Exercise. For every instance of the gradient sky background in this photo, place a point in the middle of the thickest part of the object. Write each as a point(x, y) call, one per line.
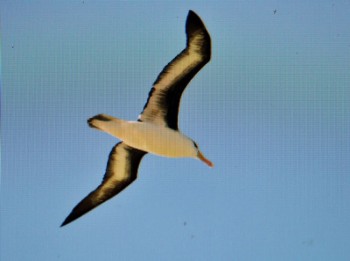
point(271, 110)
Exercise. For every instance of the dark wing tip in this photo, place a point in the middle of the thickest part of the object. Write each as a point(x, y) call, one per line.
point(194, 23)
point(79, 210)
point(197, 34)
point(192, 15)
point(67, 220)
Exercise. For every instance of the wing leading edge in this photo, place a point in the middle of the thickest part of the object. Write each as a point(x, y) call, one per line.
point(121, 171)
point(162, 106)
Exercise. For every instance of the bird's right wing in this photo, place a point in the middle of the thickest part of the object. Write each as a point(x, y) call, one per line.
point(121, 171)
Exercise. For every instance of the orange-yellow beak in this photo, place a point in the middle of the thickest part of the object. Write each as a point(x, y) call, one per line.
point(204, 159)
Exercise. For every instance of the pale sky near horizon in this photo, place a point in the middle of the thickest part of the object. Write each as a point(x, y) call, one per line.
point(271, 110)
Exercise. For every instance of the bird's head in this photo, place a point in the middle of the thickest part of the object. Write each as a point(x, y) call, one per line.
point(200, 156)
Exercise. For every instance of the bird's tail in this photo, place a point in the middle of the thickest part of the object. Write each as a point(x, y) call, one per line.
point(106, 123)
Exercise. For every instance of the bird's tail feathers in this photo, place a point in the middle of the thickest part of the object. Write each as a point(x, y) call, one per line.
point(105, 123)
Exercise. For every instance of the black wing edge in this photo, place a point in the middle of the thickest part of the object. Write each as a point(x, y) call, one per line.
point(194, 25)
point(93, 199)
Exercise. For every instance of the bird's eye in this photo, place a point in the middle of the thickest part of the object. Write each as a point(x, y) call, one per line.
point(195, 144)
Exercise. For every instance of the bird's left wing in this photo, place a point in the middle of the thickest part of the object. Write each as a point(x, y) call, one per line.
point(162, 106)
point(121, 171)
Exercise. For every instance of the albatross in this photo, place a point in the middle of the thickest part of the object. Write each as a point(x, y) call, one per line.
point(156, 130)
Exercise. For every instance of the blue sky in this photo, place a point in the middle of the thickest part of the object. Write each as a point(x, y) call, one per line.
point(271, 110)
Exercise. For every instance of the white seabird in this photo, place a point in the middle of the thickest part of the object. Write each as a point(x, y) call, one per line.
point(156, 130)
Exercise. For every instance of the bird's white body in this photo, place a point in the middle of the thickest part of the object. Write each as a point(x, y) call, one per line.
point(148, 137)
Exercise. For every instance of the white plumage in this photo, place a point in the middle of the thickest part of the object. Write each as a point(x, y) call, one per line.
point(147, 136)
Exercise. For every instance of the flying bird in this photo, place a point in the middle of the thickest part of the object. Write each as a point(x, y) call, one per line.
point(156, 130)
